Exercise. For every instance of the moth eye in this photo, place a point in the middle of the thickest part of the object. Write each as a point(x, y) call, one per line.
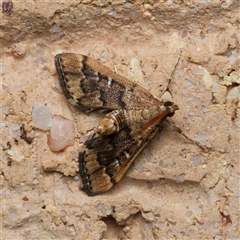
point(168, 104)
point(171, 114)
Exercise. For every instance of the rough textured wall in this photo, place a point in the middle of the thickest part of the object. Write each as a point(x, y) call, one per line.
point(174, 190)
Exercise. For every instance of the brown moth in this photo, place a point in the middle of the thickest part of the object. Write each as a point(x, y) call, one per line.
point(133, 119)
point(7, 6)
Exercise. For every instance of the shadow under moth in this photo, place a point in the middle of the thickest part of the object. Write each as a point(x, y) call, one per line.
point(133, 118)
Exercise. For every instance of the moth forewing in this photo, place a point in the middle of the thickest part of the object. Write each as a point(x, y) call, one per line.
point(134, 118)
point(113, 160)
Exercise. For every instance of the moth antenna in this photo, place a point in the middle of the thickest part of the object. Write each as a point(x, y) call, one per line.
point(174, 68)
point(170, 79)
point(154, 119)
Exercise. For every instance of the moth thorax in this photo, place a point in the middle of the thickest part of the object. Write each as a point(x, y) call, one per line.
point(140, 114)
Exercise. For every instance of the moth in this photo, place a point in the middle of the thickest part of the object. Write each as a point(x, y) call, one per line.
point(7, 6)
point(133, 118)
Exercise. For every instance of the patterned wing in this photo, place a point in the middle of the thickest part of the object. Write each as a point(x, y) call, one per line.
point(105, 159)
point(90, 85)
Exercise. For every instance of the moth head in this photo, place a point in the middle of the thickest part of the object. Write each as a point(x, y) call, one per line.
point(171, 108)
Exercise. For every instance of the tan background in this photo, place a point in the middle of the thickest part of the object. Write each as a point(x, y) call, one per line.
point(174, 190)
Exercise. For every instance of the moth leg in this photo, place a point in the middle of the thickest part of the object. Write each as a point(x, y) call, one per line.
point(112, 123)
point(204, 148)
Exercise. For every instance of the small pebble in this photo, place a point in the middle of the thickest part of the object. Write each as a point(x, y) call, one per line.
point(42, 117)
point(62, 134)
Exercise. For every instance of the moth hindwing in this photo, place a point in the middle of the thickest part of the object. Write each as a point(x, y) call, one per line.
point(133, 119)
